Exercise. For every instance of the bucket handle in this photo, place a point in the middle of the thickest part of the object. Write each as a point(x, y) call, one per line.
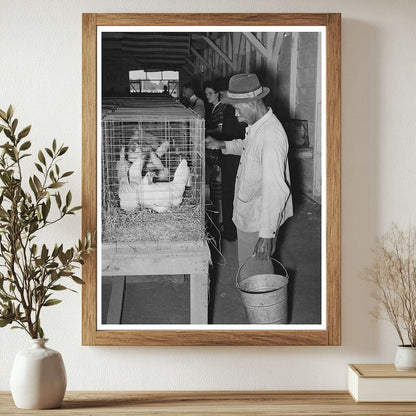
point(251, 257)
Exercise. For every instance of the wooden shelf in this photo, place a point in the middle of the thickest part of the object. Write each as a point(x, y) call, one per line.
point(222, 403)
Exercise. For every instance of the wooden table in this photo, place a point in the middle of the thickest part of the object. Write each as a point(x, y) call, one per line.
point(144, 259)
point(270, 403)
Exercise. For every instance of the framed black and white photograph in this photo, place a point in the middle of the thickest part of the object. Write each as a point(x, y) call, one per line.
point(211, 172)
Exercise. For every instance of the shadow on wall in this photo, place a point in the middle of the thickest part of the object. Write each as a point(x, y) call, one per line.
point(360, 184)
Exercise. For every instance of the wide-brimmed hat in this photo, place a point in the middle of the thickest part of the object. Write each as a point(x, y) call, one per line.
point(244, 88)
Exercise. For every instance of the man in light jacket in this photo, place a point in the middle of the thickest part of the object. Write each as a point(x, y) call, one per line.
point(263, 198)
point(194, 103)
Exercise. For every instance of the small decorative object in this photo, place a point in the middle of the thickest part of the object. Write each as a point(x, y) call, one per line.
point(393, 276)
point(381, 383)
point(31, 272)
point(405, 359)
point(38, 378)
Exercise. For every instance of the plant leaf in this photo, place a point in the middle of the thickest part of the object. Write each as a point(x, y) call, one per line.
point(56, 185)
point(67, 174)
point(10, 112)
point(25, 145)
point(45, 211)
point(59, 287)
point(37, 182)
point(68, 198)
point(39, 167)
point(41, 157)
point(8, 134)
point(51, 302)
point(24, 132)
point(14, 125)
point(77, 208)
point(44, 253)
point(40, 332)
point(33, 187)
point(63, 150)
point(78, 280)
point(5, 321)
point(58, 199)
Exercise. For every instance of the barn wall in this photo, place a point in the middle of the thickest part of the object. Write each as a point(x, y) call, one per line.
point(115, 80)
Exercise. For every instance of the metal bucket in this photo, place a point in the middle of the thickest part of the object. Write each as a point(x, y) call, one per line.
point(264, 296)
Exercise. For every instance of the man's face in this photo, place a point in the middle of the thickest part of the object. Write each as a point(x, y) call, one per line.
point(245, 112)
point(188, 93)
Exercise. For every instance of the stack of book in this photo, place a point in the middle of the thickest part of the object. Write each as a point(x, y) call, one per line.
point(381, 383)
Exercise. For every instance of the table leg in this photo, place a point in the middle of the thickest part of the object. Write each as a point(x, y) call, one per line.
point(199, 298)
point(115, 307)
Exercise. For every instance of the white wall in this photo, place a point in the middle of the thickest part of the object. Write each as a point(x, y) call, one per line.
point(40, 73)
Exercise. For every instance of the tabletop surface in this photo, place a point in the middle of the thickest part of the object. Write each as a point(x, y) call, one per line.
point(179, 403)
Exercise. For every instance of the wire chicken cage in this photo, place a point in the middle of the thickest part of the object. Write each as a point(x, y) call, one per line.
point(152, 174)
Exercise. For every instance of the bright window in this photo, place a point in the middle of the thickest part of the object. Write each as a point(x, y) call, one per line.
point(154, 82)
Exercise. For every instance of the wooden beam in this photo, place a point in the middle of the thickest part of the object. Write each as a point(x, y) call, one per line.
point(236, 39)
point(190, 62)
point(201, 58)
point(256, 43)
point(218, 51)
point(230, 52)
point(188, 71)
point(278, 44)
point(293, 74)
point(248, 56)
point(271, 64)
point(258, 55)
point(225, 65)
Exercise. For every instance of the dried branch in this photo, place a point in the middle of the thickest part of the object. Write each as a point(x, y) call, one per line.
point(393, 276)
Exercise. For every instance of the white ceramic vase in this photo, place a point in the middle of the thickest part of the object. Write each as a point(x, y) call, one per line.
point(38, 377)
point(405, 358)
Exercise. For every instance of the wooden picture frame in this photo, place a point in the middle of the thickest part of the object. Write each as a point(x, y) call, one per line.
point(331, 334)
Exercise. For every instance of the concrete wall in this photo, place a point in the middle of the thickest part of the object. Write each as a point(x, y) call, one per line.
point(41, 75)
point(306, 81)
point(283, 79)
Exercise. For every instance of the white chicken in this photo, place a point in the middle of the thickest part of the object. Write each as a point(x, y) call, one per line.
point(127, 194)
point(122, 166)
point(135, 171)
point(161, 196)
point(155, 164)
point(129, 176)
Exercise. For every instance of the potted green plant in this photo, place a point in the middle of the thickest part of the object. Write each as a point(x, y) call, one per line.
point(393, 277)
point(32, 273)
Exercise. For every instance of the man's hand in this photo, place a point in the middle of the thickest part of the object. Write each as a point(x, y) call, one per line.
point(214, 144)
point(264, 248)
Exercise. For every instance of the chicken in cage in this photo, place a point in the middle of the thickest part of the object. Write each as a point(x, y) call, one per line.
point(152, 174)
